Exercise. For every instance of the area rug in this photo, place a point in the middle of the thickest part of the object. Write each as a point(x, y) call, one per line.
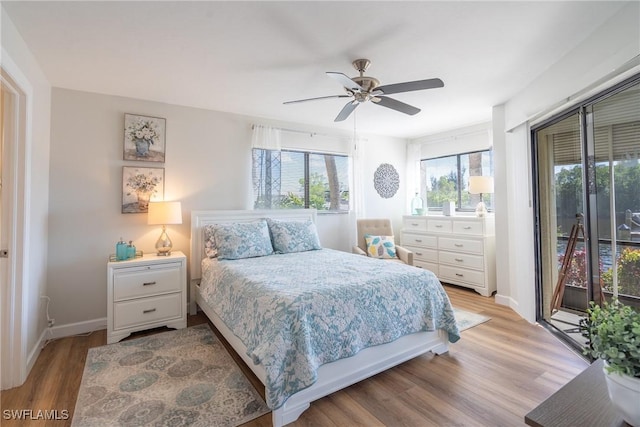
point(466, 319)
point(176, 378)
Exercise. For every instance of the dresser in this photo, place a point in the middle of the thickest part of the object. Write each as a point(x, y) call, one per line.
point(459, 249)
point(145, 293)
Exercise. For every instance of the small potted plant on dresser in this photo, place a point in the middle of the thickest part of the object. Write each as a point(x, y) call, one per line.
point(613, 331)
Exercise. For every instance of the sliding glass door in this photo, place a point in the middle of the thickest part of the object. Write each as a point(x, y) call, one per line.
point(587, 181)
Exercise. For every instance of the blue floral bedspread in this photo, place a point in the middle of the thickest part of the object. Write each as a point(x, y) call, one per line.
point(295, 312)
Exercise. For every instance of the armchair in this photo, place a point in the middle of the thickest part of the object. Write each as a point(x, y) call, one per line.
point(379, 227)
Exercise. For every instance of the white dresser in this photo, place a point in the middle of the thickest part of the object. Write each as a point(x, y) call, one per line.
point(146, 292)
point(459, 249)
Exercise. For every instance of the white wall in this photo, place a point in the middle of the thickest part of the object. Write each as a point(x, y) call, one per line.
point(208, 166)
point(20, 64)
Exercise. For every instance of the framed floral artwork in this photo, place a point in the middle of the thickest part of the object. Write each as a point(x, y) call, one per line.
point(140, 186)
point(144, 138)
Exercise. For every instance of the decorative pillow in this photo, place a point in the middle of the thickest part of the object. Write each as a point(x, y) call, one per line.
point(380, 246)
point(210, 249)
point(242, 240)
point(293, 236)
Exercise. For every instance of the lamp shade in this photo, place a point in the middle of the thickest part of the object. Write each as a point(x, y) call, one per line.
point(477, 185)
point(163, 213)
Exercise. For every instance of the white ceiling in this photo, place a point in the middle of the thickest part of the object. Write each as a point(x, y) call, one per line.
point(249, 57)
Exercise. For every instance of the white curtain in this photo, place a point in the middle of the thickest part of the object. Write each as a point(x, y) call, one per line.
point(414, 153)
point(266, 138)
point(358, 160)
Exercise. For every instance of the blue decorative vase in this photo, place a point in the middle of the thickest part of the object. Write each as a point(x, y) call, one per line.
point(142, 147)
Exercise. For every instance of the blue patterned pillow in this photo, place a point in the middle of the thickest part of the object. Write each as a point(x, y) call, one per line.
point(210, 249)
point(242, 240)
point(380, 246)
point(293, 236)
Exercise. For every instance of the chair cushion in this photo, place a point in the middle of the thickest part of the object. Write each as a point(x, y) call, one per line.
point(380, 246)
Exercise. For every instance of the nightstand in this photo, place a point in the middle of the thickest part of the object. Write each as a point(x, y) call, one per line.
point(145, 293)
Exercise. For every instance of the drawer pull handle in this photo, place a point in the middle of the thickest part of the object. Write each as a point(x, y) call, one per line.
point(459, 275)
point(438, 226)
point(459, 259)
point(418, 240)
point(413, 224)
point(151, 310)
point(148, 283)
point(458, 245)
point(468, 227)
point(419, 253)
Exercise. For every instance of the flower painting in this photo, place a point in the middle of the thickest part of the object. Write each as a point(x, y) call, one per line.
point(139, 187)
point(144, 138)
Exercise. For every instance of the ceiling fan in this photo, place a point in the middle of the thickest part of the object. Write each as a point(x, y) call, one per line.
point(363, 88)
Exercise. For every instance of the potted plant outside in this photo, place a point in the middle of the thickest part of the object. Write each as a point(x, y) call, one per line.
point(613, 331)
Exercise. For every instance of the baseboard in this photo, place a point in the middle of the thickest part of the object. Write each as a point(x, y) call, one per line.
point(35, 352)
point(78, 328)
point(505, 300)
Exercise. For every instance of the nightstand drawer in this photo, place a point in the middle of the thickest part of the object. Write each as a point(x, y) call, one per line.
point(147, 310)
point(150, 280)
point(462, 260)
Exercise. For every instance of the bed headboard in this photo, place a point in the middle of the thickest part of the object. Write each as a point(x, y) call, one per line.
point(201, 218)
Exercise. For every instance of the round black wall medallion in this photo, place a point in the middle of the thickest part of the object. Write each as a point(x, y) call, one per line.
point(386, 180)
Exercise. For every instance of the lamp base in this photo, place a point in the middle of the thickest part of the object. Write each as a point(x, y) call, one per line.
point(164, 244)
point(481, 210)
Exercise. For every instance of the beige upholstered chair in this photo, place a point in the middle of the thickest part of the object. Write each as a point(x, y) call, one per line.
point(379, 227)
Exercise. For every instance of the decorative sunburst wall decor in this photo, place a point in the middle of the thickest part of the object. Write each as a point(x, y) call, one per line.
point(386, 180)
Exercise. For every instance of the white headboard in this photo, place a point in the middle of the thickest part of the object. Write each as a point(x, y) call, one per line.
point(201, 218)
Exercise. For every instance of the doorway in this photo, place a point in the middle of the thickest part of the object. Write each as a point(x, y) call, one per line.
point(586, 177)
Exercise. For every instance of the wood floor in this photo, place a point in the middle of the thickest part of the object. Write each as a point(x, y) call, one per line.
point(493, 376)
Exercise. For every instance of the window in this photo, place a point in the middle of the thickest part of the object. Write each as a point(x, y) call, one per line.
point(446, 179)
point(296, 179)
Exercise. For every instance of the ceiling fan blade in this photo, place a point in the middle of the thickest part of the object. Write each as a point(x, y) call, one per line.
point(346, 111)
point(345, 81)
point(395, 105)
point(409, 86)
point(314, 99)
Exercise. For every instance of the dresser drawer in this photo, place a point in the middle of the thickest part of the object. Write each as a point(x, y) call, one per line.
point(460, 245)
point(473, 228)
point(147, 310)
point(439, 225)
point(462, 260)
point(455, 275)
point(423, 254)
point(410, 239)
point(427, 266)
point(146, 280)
point(415, 223)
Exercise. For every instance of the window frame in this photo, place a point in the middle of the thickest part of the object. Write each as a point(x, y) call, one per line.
point(307, 176)
point(459, 175)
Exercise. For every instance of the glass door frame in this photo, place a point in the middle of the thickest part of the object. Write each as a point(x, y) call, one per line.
point(584, 109)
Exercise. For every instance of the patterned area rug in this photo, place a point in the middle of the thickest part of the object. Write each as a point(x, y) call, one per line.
point(176, 378)
point(466, 319)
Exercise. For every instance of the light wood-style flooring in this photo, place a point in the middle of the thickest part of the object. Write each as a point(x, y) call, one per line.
point(493, 376)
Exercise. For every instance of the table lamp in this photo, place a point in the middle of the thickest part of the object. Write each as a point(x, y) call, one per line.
point(481, 185)
point(164, 213)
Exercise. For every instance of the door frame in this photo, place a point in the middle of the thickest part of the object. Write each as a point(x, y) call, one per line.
point(13, 325)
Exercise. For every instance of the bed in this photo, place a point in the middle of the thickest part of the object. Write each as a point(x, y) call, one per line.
point(309, 332)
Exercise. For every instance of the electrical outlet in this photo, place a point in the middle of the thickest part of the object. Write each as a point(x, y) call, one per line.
point(51, 322)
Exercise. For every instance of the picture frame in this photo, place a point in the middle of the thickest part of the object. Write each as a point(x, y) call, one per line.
point(144, 138)
point(141, 185)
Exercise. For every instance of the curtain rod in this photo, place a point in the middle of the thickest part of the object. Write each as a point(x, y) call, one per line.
point(311, 134)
